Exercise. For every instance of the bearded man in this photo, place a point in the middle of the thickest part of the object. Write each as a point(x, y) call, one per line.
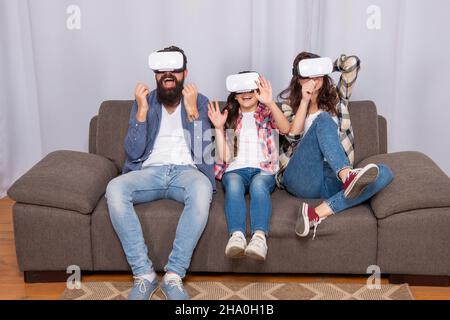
point(164, 147)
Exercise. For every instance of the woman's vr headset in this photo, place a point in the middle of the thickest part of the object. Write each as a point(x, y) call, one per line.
point(313, 68)
point(242, 82)
point(169, 61)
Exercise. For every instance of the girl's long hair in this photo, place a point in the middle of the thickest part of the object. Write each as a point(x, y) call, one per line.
point(328, 96)
point(233, 114)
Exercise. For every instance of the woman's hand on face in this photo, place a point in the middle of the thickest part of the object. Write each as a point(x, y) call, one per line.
point(217, 118)
point(308, 90)
point(265, 91)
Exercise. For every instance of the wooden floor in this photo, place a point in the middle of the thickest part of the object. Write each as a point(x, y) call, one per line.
point(13, 287)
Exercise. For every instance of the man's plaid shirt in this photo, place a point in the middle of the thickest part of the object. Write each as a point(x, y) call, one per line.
point(349, 66)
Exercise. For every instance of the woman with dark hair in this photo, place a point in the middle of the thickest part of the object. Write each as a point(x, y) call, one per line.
point(248, 160)
point(317, 157)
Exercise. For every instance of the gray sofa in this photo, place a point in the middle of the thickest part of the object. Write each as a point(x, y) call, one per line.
point(61, 217)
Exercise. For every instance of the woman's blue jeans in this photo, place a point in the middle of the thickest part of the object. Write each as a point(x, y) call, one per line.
point(313, 170)
point(259, 185)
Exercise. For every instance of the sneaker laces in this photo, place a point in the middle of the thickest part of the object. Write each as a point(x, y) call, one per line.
point(235, 237)
point(259, 242)
point(140, 283)
point(353, 172)
point(175, 282)
point(315, 224)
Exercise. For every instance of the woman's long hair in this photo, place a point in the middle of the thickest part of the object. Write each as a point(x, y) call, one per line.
point(328, 96)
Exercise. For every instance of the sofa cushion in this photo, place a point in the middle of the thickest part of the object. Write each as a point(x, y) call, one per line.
point(333, 251)
point(415, 242)
point(418, 184)
point(51, 239)
point(65, 179)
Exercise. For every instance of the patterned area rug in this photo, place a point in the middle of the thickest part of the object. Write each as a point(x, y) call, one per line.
point(249, 291)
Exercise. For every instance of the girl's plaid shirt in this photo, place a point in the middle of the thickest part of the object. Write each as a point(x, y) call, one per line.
point(267, 134)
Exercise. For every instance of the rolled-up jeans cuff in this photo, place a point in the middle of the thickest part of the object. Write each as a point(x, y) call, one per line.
point(333, 210)
point(179, 271)
point(230, 232)
point(337, 172)
point(145, 271)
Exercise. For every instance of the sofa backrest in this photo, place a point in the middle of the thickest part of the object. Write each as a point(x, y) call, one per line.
point(112, 127)
point(364, 117)
point(109, 128)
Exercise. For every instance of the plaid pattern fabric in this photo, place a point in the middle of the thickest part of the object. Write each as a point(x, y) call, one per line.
point(349, 66)
point(265, 124)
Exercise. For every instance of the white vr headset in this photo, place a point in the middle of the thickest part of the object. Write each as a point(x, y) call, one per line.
point(243, 82)
point(166, 61)
point(313, 68)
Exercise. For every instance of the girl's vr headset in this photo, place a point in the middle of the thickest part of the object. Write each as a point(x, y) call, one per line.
point(242, 82)
point(169, 61)
point(313, 68)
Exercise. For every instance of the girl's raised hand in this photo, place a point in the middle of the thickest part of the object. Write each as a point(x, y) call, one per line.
point(265, 91)
point(217, 118)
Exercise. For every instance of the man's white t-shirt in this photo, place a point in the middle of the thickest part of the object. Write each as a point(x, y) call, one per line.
point(250, 153)
point(170, 145)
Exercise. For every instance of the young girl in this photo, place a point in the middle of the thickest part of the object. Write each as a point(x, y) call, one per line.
point(250, 166)
point(317, 160)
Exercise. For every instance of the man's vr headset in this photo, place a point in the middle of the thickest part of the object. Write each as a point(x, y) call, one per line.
point(242, 82)
point(168, 61)
point(313, 68)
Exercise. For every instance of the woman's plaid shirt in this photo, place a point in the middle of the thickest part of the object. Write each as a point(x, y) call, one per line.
point(349, 66)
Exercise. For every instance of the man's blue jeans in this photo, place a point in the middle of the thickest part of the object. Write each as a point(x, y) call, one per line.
point(184, 184)
point(260, 185)
point(313, 170)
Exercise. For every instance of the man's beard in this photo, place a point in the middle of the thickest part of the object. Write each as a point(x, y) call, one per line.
point(172, 96)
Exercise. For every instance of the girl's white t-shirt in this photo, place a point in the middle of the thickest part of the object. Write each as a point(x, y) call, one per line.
point(250, 153)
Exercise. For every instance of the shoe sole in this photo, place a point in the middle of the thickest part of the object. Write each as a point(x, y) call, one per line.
point(367, 176)
point(235, 253)
point(152, 293)
point(165, 296)
point(305, 222)
point(254, 255)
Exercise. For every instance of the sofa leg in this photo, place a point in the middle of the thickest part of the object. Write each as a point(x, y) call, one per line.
point(45, 276)
point(420, 280)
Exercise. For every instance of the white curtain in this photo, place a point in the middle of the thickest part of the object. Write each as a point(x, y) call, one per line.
point(53, 79)
point(20, 134)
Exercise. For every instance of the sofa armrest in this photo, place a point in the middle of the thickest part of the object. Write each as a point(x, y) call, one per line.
point(418, 184)
point(65, 179)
